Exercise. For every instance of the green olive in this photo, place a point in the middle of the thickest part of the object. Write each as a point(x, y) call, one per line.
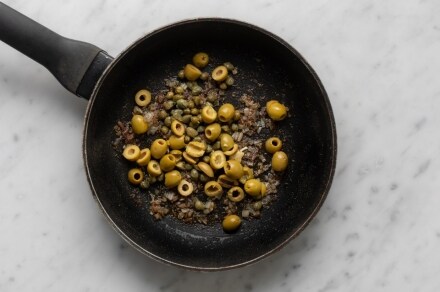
point(135, 176)
point(188, 158)
point(220, 73)
point(209, 114)
point(233, 169)
point(226, 182)
point(253, 187)
point(143, 97)
point(263, 189)
point(168, 162)
point(176, 143)
point(144, 157)
point(226, 142)
point(226, 112)
point(236, 194)
point(276, 110)
point(213, 189)
point(191, 72)
point(139, 124)
point(153, 168)
point(232, 151)
point(177, 128)
point(158, 148)
point(212, 131)
point(217, 160)
point(185, 188)
point(206, 169)
point(279, 161)
point(273, 145)
point(201, 59)
point(172, 179)
point(231, 223)
point(131, 152)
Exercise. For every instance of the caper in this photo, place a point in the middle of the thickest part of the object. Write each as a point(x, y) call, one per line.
point(188, 166)
point(203, 178)
point(186, 119)
point(276, 110)
point(208, 148)
point(187, 139)
point(172, 179)
point(187, 111)
point(195, 119)
point(179, 90)
point(253, 187)
point(226, 129)
point(226, 112)
point(164, 130)
point(233, 169)
point(231, 223)
point(201, 129)
point(190, 84)
point(191, 105)
point(229, 81)
point(204, 76)
point(182, 103)
point(223, 86)
point(158, 148)
point(234, 127)
point(229, 66)
point(237, 115)
point(168, 121)
point(197, 139)
point(200, 59)
point(220, 73)
point(163, 114)
point(181, 74)
point(191, 132)
point(194, 111)
point(169, 104)
point(196, 90)
point(257, 205)
point(177, 111)
point(213, 189)
point(199, 205)
point(216, 145)
point(145, 184)
point(170, 94)
point(177, 97)
point(206, 159)
point(139, 124)
point(279, 161)
point(194, 174)
point(273, 145)
point(197, 100)
point(153, 179)
point(212, 131)
point(180, 165)
point(212, 96)
point(167, 162)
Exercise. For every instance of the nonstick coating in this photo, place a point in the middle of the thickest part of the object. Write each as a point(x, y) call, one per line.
point(268, 69)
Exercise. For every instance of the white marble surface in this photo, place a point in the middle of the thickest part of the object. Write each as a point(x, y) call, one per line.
point(379, 229)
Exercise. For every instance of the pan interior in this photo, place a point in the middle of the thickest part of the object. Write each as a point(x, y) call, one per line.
point(268, 69)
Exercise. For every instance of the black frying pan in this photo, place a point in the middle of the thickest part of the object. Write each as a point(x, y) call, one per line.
point(110, 85)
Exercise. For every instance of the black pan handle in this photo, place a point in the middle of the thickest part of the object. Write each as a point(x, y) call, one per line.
point(76, 65)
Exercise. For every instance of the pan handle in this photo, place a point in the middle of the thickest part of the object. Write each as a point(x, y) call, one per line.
point(77, 65)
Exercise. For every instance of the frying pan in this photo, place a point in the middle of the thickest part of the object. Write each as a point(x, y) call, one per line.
point(269, 68)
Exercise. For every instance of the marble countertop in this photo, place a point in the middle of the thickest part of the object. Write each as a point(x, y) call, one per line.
point(379, 229)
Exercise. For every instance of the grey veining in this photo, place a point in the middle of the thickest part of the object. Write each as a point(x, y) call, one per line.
point(379, 229)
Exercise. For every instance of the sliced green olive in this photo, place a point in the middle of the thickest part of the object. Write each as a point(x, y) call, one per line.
point(135, 176)
point(233, 169)
point(167, 162)
point(209, 114)
point(139, 124)
point(158, 148)
point(143, 97)
point(213, 131)
point(131, 152)
point(144, 157)
point(236, 194)
point(220, 73)
point(177, 128)
point(273, 145)
point(172, 179)
point(276, 110)
point(231, 223)
point(279, 161)
point(206, 169)
point(201, 59)
point(226, 142)
point(153, 168)
point(217, 159)
point(191, 72)
point(176, 143)
point(213, 189)
point(226, 112)
point(185, 188)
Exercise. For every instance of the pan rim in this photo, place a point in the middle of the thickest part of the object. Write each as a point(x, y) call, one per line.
point(328, 179)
